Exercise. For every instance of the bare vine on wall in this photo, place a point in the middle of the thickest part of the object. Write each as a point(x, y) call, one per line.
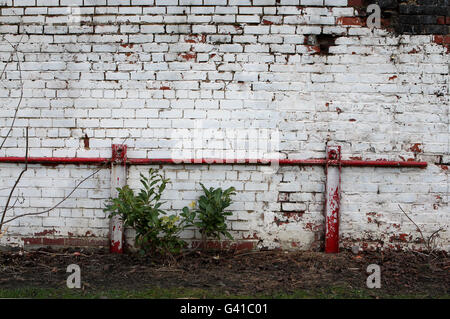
point(429, 241)
point(12, 199)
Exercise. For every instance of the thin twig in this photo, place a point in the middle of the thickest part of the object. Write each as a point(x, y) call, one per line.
point(16, 182)
point(252, 253)
point(61, 201)
point(12, 54)
point(7, 206)
point(15, 202)
point(418, 228)
point(59, 254)
point(106, 163)
point(20, 97)
point(168, 269)
point(432, 239)
point(186, 253)
point(429, 243)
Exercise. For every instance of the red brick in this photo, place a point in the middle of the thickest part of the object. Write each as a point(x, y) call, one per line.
point(195, 38)
point(355, 3)
point(208, 245)
point(53, 241)
point(385, 22)
point(189, 56)
point(349, 21)
point(439, 39)
point(244, 245)
point(90, 242)
point(32, 241)
point(313, 48)
point(224, 245)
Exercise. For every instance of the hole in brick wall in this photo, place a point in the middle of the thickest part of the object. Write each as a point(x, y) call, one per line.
point(86, 141)
point(324, 41)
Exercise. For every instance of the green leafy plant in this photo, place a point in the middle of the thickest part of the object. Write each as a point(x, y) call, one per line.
point(211, 214)
point(155, 232)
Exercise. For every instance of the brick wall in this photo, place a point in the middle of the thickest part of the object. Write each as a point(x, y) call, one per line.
point(158, 72)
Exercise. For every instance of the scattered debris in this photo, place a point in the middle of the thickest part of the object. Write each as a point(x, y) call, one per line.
point(265, 272)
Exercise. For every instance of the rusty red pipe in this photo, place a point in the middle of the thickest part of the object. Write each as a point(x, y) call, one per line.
point(149, 161)
point(55, 160)
point(303, 162)
point(383, 163)
point(245, 161)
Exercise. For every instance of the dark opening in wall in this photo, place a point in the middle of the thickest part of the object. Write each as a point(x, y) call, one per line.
point(86, 141)
point(324, 41)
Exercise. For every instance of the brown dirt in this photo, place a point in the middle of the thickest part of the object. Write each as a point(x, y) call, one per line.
point(249, 273)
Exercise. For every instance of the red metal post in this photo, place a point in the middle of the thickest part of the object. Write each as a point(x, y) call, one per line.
point(332, 199)
point(118, 179)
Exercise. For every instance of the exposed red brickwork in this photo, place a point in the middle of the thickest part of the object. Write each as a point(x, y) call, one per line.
point(225, 245)
point(355, 3)
point(65, 241)
point(350, 21)
point(195, 38)
point(416, 148)
point(188, 56)
point(444, 40)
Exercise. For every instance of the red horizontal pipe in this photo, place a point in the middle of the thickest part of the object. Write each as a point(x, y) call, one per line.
point(384, 163)
point(55, 160)
point(147, 161)
point(306, 162)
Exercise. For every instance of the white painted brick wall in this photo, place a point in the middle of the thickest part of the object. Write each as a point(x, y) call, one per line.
point(156, 71)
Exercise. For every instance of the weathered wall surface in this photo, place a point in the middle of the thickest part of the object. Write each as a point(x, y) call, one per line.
point(166, 74)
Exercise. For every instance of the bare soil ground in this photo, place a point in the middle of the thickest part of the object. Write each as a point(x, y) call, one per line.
point(230, 273)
